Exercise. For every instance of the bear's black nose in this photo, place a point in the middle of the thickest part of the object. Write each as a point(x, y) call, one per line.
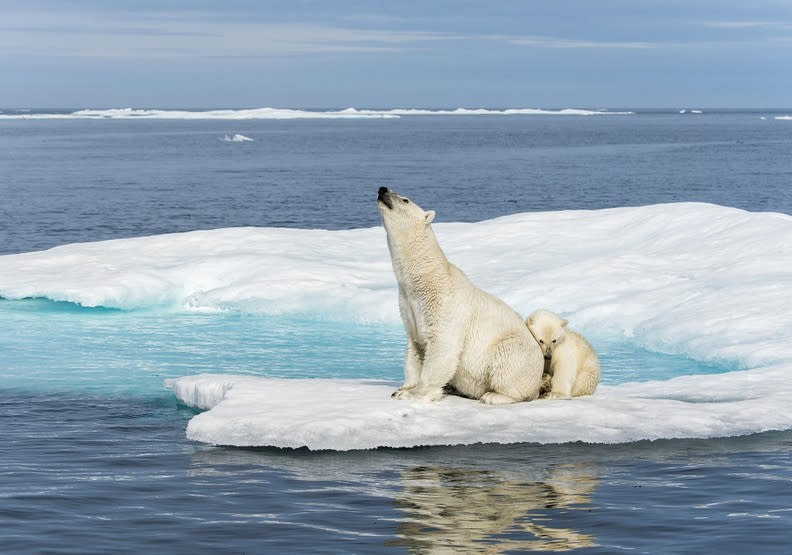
point(382, 191)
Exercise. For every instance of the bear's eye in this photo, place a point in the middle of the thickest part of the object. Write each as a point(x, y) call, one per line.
point(541, 341)
point(554, 340)
point(405, 200)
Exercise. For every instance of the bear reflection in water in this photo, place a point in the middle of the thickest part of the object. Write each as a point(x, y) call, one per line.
point(475, 499)
point(479, 511)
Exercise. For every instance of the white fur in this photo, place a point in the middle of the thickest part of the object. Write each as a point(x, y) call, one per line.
point(457, 334)
point(573, 367)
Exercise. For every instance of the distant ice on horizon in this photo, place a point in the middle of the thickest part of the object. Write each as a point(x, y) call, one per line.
point(283, 113)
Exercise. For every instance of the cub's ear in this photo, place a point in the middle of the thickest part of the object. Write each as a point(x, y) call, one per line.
point(429, 216)
point(564, 323)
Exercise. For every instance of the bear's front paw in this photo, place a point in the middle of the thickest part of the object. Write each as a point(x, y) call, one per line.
point(401, 394)
point(398, 394)
point(558, 395)
point(423, 394)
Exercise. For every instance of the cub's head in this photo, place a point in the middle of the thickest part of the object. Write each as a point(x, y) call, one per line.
point(548, 329)
point(400, 213)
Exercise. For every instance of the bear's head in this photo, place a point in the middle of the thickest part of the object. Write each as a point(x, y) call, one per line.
point(400, 214)
point(548, 329)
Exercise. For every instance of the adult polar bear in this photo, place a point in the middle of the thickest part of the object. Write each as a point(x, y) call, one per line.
point(457, 334)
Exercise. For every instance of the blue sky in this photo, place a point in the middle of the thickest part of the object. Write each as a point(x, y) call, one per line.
point(366, 54)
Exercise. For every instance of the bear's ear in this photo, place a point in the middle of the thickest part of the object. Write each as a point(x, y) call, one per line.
point(529, 321)
point(429, 216)
point(564, 323)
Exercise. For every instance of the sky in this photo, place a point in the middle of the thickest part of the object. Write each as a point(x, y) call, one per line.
point(389, 54)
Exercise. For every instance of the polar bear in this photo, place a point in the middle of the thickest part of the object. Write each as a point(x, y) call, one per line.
point(457, 334)
point(572, 364)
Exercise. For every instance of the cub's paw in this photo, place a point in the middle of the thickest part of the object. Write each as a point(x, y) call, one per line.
point(558, 395)
point(546, 386)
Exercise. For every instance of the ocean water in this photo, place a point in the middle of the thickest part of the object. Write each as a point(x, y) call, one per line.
point(95, 456)
point(63, 178)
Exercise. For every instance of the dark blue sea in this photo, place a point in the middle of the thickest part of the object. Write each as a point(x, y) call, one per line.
point(93, 453)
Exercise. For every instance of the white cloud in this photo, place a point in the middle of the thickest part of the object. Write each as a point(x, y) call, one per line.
point(551, 42)
point(168, 36)
point(747, 24)
point(150, 36)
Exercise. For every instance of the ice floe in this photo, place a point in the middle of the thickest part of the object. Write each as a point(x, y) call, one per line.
point(237, 138)
point(704, 281)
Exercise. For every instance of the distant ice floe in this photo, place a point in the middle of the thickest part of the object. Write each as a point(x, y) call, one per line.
point(282, 113)
point(237, 138)
point(787, 118)
point(683, 111)
point(704, 281)
point(506, 112)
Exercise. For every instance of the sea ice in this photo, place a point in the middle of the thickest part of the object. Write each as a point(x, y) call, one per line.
point(704, 281)
point(360, 414)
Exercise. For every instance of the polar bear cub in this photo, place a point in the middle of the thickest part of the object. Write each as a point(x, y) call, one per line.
point(572, 364)
point(457, 334)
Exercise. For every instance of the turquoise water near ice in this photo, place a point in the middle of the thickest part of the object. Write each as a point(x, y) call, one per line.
point(48, 346)
point(58, 346)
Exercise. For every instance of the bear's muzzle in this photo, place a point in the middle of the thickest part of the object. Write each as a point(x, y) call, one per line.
point(383, 196)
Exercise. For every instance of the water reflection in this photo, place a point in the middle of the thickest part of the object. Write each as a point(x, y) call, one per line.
point(481, 511)
point(440, 500)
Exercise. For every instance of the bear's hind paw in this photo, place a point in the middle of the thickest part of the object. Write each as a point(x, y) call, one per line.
point(558, 395)
point(493, 398)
